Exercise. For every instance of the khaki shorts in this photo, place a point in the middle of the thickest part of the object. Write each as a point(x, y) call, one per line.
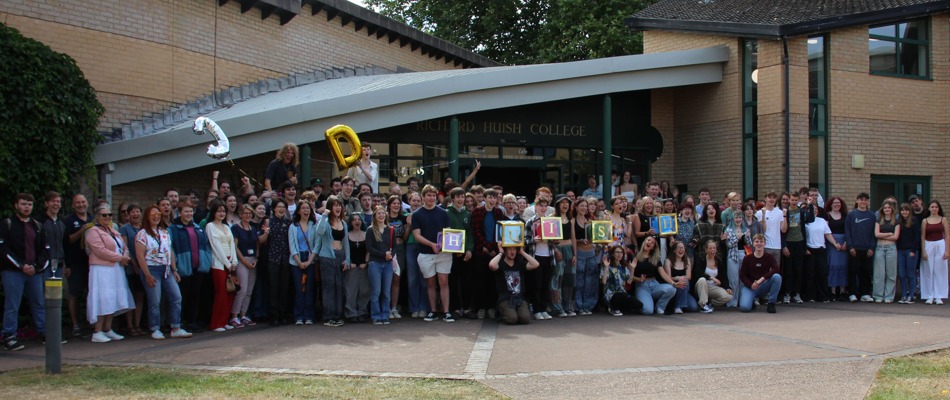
point(430, 264)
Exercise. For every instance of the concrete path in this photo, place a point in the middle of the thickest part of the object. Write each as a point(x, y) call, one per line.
point(804, 351)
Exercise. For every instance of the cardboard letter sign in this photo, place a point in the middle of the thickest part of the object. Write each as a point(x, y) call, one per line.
point(512, 233)
point(551, 228)
point(602, 232)
point(453, 240)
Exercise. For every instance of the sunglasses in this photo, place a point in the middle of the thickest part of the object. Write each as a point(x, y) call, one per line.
point(106, 215)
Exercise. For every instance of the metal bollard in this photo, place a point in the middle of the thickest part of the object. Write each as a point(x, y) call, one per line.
point(54, 325)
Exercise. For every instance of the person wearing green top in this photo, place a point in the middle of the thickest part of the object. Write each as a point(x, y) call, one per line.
point(794, 249)
point(461, 277)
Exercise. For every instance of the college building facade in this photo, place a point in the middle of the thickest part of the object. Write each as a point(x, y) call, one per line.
point(865, 89)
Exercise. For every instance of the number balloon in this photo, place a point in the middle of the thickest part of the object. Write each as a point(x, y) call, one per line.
point(222, 148)
point(346, 133)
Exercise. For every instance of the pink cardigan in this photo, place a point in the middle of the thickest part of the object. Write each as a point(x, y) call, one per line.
point(101, 246)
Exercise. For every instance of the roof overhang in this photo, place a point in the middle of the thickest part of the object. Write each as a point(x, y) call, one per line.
point(774, 31)
point(302, 114)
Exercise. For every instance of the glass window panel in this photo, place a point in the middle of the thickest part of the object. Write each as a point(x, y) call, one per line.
point(479, 152)
point(379, 149)
point(913, 59)
point(882, 56)
point(409, 150)
point(817, 163)
point(916, 30)
point(436, 151)
point(584, 155)
point(887, 30)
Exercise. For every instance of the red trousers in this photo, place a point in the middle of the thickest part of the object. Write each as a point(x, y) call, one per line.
point(221, 307)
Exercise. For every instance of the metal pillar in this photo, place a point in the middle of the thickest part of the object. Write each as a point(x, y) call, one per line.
point(454, 149)
point(305, 172)
point(608, 150)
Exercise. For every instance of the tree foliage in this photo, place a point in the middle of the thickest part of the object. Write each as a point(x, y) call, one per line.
point(524, 31)
point(49, 114)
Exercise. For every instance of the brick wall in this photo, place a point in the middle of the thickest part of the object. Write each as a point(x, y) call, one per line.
point(147, 55)
point(704, 121)
point(900, 125)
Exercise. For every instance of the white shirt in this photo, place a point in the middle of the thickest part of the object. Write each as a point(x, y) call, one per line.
point(773, 227)
point(816, 233)
point(360, 177)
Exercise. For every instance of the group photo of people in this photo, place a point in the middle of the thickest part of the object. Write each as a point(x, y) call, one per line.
point(343, 251)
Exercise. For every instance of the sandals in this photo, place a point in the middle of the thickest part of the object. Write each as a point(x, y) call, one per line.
point(136, 331)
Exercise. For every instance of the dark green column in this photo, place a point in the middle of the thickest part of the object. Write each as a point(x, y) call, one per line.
point(305, 172)
point(608, 149)
point(454, 149)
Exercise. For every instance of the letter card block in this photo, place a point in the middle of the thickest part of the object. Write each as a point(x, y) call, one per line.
point(551, 228)
point(512, 233)
point(453, 240)
point(602, 232)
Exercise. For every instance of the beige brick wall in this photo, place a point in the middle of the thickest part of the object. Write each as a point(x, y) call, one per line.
point(702, 124)
point(144, 56)
point(900, 125)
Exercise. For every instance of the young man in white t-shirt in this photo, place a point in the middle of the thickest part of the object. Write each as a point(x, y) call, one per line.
point(774, 224)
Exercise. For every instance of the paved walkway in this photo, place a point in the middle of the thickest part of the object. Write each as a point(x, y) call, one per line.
point(803, 351)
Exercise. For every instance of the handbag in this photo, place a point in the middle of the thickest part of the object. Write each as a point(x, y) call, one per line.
point(232, 283)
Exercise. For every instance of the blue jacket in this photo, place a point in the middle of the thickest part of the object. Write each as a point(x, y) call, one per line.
point(293, 233)
point(181, 246)
point(324, 247)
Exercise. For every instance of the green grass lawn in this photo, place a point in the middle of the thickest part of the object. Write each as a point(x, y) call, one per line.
point(921, 376)
point(111, 382)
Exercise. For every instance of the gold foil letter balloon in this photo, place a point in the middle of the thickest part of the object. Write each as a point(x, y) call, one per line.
point(346, 133)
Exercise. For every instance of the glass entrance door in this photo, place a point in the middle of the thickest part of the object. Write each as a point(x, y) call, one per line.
point(899, 186)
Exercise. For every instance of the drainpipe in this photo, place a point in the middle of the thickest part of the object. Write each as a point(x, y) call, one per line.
point(306, 170)
point(608, 148)
point(788, 112)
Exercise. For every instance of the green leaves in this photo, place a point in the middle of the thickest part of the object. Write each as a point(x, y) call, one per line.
point(48, 119)
point(525, 31)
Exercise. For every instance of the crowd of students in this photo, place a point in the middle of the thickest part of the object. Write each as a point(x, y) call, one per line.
point(345, 253)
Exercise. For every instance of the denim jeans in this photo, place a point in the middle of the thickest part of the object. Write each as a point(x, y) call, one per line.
point(15, 285)
point(654, 295)
point(683, 300)
point(380, 283)
point(418, 292)
point(770, 286)
point(885, 272)
point(568, 271)
point(732, 272)
point(303, 290)
point(164, 284)
point(907, 271)
point(586, 283)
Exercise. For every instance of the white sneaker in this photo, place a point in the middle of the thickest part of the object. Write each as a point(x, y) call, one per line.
point(853, 298)
point(938, 302)
point(157, 335)
point(867, 299)
point(929, 301)
point(678, 310)
point(395, 314)
point(787, 299)
point(538, 316)
point(797, 299)
point(545, 315)
point(228, 327)
point(100, 337)
point(180, 333)
point(114, 336)
point(219, 329)
point(706, 309)
point(660, 312)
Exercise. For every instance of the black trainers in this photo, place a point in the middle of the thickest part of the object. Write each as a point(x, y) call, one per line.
point(11, 344)
point(430, 317)
point(771, 308)
point(42, 339)
point(448, 317)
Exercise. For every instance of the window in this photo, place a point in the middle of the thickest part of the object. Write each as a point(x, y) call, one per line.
point(818, 113)
point(900, 49)
point(750, 116)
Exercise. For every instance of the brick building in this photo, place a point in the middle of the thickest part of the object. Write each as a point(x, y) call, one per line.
point(866, 87)
point(156, 63)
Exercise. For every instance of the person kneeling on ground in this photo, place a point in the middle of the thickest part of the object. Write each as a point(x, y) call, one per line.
point(618, 281)
point(759, 275)
point(510, 270)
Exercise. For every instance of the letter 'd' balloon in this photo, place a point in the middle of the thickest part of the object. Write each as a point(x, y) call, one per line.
point(346, 133)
